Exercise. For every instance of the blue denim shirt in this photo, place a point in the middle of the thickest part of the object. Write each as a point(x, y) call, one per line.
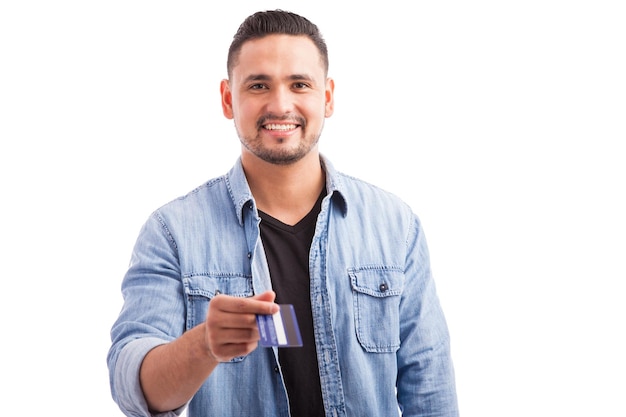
point(381, 337)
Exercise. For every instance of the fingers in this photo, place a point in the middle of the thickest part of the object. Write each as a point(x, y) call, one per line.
point(258, 304)
point(231, 328)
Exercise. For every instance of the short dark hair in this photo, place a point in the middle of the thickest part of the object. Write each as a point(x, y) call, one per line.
point(269, 22)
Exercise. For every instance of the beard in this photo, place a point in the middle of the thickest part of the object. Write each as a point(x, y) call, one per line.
point(280, 155)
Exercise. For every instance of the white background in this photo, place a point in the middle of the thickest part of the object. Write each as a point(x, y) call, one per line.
point(502, 123)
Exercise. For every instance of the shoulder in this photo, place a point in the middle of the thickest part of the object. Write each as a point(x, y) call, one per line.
point(360, 193)
point(363, 194)
point(209, 191)
point(196, 208)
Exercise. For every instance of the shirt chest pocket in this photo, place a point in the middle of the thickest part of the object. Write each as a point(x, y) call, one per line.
point(200, 289)
point(376, 295)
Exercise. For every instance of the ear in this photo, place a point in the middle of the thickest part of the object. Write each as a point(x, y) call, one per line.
point(227, 99)
point(330, 97)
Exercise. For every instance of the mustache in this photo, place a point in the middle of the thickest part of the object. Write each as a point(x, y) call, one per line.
point(288, 117)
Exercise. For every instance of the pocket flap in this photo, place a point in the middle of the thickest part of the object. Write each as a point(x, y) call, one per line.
point(377, 281)
point(211, 285)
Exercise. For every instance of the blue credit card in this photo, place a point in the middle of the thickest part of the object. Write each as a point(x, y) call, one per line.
point(280, 329)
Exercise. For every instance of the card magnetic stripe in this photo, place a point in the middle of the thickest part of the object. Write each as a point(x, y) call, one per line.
point(292, 330)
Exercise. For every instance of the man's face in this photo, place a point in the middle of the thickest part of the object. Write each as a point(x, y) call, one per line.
point(278, 96)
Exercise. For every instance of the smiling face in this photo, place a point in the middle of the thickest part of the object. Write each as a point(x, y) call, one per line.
point(278, 96)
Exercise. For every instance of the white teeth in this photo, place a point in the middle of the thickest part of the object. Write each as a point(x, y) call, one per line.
point(280, 127)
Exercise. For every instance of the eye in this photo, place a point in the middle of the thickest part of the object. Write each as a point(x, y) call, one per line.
point(300, 86)
point(257, 87)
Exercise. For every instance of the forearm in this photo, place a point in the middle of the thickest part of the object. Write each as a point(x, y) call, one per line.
point(172, 373)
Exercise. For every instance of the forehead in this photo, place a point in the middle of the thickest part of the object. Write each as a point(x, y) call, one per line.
point(276, 55)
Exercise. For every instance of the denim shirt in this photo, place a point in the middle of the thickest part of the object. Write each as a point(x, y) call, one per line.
point(381, 337)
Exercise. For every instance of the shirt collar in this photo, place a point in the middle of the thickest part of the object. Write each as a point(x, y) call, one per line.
point(242, 196)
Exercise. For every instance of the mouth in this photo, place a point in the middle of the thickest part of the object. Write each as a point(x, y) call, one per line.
point(277, 124)
point(280, 127)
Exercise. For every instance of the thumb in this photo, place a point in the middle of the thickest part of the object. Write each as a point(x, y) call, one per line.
point(268, 296)
point(265, 296)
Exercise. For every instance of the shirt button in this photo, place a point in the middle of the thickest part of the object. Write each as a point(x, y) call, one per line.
point(276, 369)
point(249, 255)
point(383, 287)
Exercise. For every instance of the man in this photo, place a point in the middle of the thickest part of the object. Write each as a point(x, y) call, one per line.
point(281, 227)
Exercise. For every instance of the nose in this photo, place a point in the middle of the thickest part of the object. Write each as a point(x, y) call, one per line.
point(281, 101)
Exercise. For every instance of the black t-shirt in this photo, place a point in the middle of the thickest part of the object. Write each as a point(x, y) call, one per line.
point(287, 251)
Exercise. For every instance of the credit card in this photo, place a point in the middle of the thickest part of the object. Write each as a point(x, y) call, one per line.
point(280, 329)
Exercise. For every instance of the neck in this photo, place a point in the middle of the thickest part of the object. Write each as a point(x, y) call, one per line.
point(285, 192)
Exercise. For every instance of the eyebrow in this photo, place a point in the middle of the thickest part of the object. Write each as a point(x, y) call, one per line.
point(265, 77)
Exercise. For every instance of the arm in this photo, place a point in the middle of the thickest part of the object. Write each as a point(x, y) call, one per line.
point(154, 362)
point(426, 385)
point(172, 373)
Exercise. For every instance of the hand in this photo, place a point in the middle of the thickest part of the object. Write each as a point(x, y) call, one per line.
point(230, 326)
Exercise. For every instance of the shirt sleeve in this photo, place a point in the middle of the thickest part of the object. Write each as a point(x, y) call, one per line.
point(129, 395)
point(153, 313)
point(426, 383)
